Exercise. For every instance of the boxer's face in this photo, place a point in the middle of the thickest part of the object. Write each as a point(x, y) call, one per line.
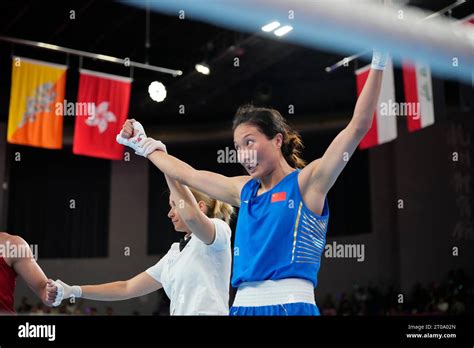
point(256, 152)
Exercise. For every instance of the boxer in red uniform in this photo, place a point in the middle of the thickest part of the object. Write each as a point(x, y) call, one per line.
point(16, 258)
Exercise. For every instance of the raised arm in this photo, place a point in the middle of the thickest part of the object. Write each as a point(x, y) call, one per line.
point(220, 187)
point(319, 176)
point(198, 222)
point(189, 211)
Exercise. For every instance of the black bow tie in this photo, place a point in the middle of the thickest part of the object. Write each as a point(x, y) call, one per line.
point(182, 243)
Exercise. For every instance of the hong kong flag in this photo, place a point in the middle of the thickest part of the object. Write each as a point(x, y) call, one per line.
point(101, 109)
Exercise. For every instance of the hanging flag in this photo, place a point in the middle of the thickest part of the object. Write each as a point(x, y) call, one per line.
point(37, 88)
point(104, 101)
point(419, 107)
point(384, 124)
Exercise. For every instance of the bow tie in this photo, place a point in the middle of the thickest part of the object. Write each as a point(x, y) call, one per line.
point(182, 243)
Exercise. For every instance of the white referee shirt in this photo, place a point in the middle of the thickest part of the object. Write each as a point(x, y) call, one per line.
point(197, 279)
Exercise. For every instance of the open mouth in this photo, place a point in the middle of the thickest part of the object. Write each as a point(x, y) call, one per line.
point(251, 168)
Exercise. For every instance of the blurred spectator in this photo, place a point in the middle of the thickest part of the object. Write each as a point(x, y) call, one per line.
point(90, 311)
point(40, 309)
point(328, 308)
point(24, 307)
point(345, 306)
point(453, 296)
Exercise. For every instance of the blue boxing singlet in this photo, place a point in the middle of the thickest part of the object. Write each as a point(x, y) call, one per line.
point(277, 235)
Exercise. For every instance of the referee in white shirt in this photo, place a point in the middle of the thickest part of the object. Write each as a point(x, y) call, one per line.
point(195, 273)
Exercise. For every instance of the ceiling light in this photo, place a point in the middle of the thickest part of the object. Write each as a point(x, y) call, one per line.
point(283, 30)
point(271, 26)
point(157, 91)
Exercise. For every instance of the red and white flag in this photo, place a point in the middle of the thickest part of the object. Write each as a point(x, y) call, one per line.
point(418, 89)
point(384, 124)
point(102, 108)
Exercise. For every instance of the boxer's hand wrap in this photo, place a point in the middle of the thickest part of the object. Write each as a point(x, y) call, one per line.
point(66, 291)
point(379, 60)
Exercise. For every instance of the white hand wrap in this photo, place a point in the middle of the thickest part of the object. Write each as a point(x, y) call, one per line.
point(142, 145)
point(66, 291)
point(135, 141)
point(150, 145)
point(379, 60)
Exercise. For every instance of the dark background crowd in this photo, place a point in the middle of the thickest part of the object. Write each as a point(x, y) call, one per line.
point(453, 296)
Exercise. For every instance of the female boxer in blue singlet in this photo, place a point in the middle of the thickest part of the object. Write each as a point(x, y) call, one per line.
point(283, 216)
